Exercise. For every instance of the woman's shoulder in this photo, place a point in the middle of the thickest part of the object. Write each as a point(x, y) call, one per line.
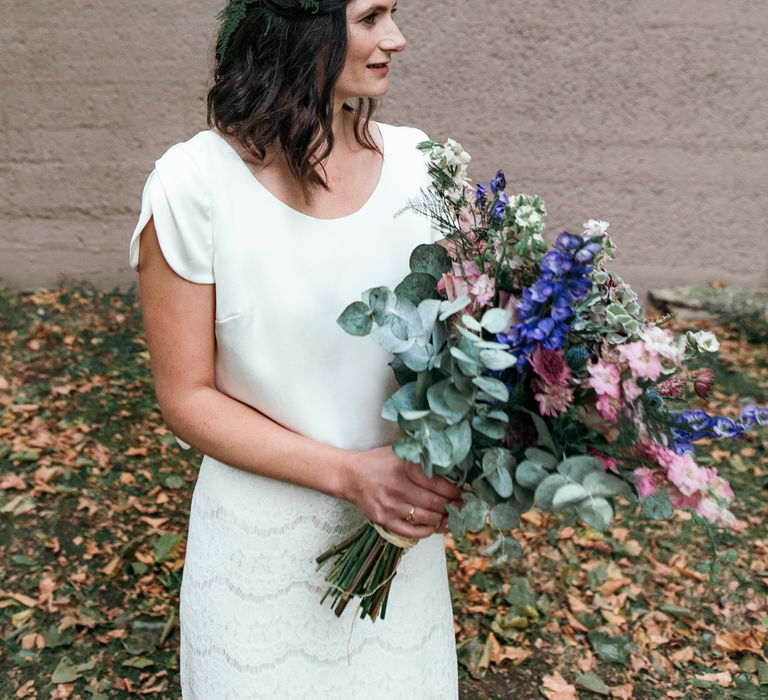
point(197, 152)
point(404, 133)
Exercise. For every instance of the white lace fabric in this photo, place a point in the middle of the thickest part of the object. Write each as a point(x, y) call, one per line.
point(252, 625)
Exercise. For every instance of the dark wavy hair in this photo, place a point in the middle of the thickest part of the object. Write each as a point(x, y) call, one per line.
point(275, 84)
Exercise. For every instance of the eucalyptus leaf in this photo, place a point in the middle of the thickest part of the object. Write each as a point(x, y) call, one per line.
point(490, 428)
point(596, 512)
point(382, 301)
point(408, 449)
point(474, 513)
point(603, 484)
point(577, 468)
point(428, 310)
point(569, 495)
point(440, 448)
point(404, 399)
point(496, 458)
point(496, 320)
point(456, 521)
point(505, 516)
point(417, 357)
point(448, 308)
point(530, 474)
point(356, 319)
point(546, 490)
point(436, 396)
point(541, 457)
point(416, 287)
point(385, 336)
point(497, 360)
point(430, 258)
point(466, 364)
point(472, 323)
point(501, 480)
point(657, 507)
point(460, 436)
point(493, 387)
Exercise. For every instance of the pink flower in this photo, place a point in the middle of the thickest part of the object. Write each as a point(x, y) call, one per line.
point(645, 482)
point(449, 246)
point(641, 361)
point(553, 399)
point(703, 382)
point(509, 301)
point(688, 476)
point(467, 221)
point(604, 378)
point(609, 463)
point(589, 417)
point(452, 286)
point(631, 390)
point(608, 407)
point(483, 290)
point(550, 366)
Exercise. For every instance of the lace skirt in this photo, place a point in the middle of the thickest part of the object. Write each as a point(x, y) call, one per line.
point(251, 621)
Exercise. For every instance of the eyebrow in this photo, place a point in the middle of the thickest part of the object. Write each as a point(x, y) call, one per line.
point(379, 8)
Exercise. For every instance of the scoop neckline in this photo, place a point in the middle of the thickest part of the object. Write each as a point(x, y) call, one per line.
point(295, 212)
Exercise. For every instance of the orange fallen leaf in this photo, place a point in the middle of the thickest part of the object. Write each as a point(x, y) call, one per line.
point(682, 656)
point(136, 452)
point(12, 481)
point(622, 691)
point(732, 642)
point(516, 655)
point(557, 688)
point(153, 522)
point(724, 679)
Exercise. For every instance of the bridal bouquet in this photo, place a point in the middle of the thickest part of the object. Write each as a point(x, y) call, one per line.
point(531, 374)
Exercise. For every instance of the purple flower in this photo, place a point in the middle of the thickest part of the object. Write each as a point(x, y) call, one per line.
point(480, 194)
point(498, 183)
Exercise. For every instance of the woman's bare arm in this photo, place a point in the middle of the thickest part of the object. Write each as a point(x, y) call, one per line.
point(179, 324)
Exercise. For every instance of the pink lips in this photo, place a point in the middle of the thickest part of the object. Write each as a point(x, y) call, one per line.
point(383, 70)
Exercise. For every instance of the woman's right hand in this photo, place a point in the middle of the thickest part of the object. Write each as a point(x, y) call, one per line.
point(384, 487)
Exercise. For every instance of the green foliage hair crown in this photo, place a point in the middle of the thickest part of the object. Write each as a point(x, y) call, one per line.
point(235, 12)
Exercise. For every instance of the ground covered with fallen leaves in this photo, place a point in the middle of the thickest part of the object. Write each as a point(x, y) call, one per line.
point(94, 500)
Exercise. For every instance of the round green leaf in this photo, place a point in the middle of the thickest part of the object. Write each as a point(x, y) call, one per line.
point(596, 512)
point(430, 258)
point(530, 474)
point(356, 319)
point(569, 495)
point(546, 490)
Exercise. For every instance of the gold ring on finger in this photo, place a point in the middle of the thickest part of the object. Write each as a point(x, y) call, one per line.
point(411, 514)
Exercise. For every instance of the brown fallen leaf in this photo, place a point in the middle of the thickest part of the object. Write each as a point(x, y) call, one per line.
point(724, 679)
point(136, 452)
point(12, 481)
point(557, 688)
point(732, 642)
point(682, 656)
point(622, 691)
point(516, 655)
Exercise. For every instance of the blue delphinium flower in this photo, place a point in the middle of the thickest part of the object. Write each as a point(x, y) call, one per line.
point(498, 183)
point(480, 194)
point(499, 206)
point(546, 307)
point(698, 424)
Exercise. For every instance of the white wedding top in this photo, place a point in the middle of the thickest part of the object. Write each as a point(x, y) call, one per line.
point(251, 621)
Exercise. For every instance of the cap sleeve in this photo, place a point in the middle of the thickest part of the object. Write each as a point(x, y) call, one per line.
point(175, 197)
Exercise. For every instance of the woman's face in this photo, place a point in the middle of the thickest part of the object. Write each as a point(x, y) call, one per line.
point(373, 38)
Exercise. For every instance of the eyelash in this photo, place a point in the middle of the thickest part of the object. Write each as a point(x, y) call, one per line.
point(373, 16)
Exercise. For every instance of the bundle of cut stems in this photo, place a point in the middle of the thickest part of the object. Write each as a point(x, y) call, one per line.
point(365, 565)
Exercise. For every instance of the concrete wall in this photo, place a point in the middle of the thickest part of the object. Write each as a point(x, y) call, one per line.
point(646, 113)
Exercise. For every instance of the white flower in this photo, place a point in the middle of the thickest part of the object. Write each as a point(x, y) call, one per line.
point(527, 217)
point(704, 341)
point(596, 228)
point(663, 343)
point(455, 154)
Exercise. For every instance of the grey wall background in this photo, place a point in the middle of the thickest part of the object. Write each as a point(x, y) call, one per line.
point(647, 113)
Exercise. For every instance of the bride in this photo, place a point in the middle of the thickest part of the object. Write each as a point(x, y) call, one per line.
point(253, 236)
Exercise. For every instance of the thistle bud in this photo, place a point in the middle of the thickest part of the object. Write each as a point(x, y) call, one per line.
point(703, 382)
